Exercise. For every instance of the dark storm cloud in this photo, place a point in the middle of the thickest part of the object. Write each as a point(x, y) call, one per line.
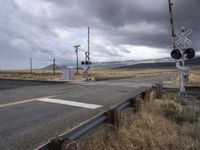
point(187, 13)
point(150, 17)
point(30, 29)
point(24, 34)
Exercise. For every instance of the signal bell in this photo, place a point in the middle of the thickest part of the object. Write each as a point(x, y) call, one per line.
point(189, 53)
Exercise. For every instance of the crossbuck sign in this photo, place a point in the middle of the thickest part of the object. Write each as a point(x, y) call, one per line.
point(183, 37)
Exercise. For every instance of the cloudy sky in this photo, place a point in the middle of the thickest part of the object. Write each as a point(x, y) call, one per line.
point(120, 29)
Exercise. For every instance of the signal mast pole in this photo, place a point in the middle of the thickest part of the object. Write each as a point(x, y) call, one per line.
point(87, 58)
point(182, 88)
point(172, 24)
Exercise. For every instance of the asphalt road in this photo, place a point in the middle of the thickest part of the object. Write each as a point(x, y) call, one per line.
point(32, 115)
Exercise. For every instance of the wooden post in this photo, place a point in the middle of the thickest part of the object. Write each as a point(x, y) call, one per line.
point(136, 104)
point(146, 95)
point(70, 145)
point(56, 144)
point(61, 144)
point(158, 88)
point(115, 117)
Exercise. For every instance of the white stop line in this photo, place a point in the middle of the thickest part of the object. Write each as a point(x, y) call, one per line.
point(70, 103)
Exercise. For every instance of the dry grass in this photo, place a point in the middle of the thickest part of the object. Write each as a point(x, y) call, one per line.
point(127, 73)
point(93, 73)
point(39, 75)
point(122, 73)
point(192, 130)
point(174, 111)
point(148, 129)
point(195, 78)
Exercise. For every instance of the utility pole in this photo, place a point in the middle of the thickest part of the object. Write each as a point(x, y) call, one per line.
point(89, 43)
point(76, 51)
point(31, 65)
point(54, 66)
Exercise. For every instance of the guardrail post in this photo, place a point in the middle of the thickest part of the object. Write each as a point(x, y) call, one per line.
point(159, 88)
point(56, 144)
point(61, 144)
point(136, 103)
point(70, 145)
point(115, 117)
point(146, 95)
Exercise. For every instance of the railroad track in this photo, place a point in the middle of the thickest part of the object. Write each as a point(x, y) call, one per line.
point(16, 83)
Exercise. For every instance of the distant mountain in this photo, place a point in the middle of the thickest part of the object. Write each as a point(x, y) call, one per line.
point(117, 64)
point(57, 67)
point(195, 61)
point(147, 63)
point(50, 67)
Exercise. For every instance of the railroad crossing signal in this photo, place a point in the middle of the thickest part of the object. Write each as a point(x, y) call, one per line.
point(180, 55)
point(183, 37)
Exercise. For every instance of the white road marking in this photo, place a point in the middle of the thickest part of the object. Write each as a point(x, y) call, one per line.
point(22, 102)
point(16, 103)
point(71, 103)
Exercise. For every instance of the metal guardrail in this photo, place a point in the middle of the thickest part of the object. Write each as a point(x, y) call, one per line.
point(81, 130)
